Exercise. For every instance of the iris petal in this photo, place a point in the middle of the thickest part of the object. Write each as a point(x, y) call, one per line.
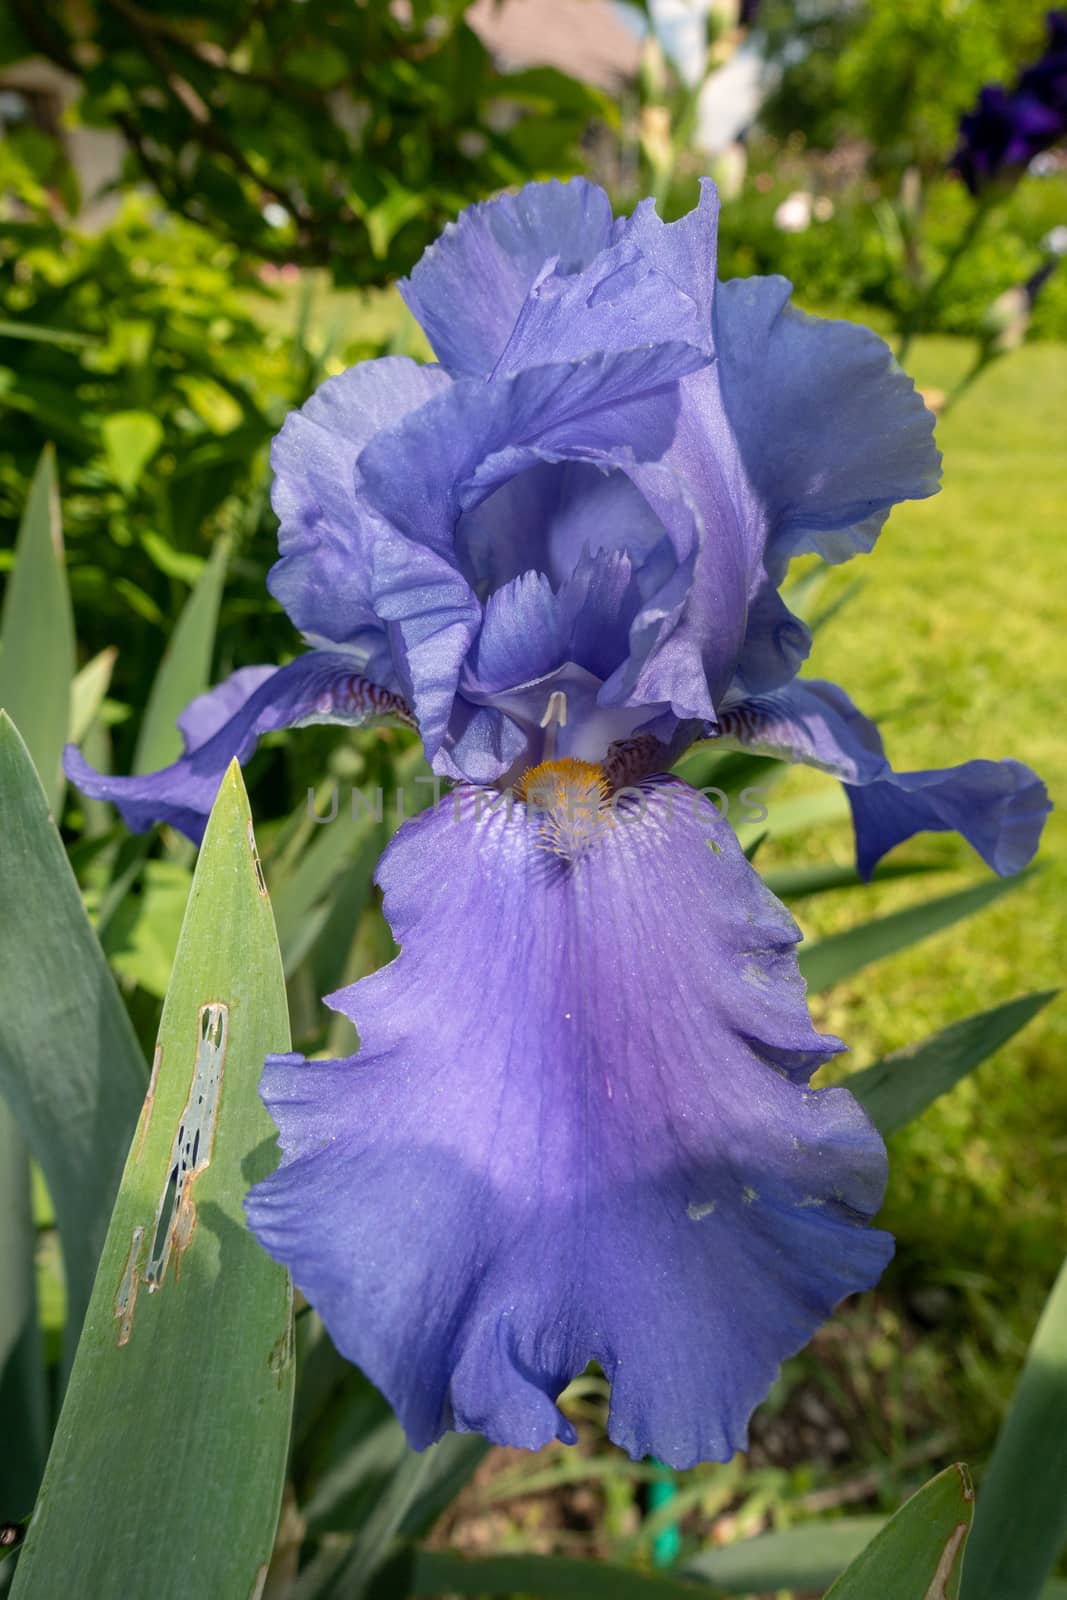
point(227, 723)
point(998, 806)
point(776, 645)
point(618, 302)
point(448, 456)
point(346, 576)
point(530, 628)
point(683, 251)
point(469, 287)
point(327, 533)
point(204, 716)
point(543, 519)
point(579, 1127)
point(831, 432)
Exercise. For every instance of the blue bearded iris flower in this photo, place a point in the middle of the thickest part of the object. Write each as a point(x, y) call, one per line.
point(580, 1125)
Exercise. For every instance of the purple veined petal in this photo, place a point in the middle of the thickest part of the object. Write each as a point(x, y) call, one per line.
point(521, 634)
point(831, 432)
point(530, 628)
point(431, 617)
point(999, 807)
point(346, 575)
point(583, 727)
point(448, 456)
point(547, 517)
point(327, 534)
point(483, 744)
point(776, 645)
point(620, 301)
point(579, 1127)
point(599, 604)
point(227, 723)
point(692, 631)
point(469, 287)
point(684, 251)
point(204, 716)
point(538, 643)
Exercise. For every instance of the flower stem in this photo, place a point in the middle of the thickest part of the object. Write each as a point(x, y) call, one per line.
point(915, 315)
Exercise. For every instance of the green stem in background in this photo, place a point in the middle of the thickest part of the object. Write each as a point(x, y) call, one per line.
point(911, 322)
point(1006, 328)
point(664, 148)
point(667, 1543)
point(984, 359)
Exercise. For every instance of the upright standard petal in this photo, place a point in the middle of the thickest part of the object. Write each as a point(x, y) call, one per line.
point(347, 576)
point(684, 251)
point(445, 460)
point(469, 287)
point(227, 723)
point(653, 285)
point(603, 1147)
point(998, 806)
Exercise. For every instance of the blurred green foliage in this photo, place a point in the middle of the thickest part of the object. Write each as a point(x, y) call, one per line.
point(855, 256)
point(860, 117)
point(325, 134)
point(136, 351)
point(897, 74)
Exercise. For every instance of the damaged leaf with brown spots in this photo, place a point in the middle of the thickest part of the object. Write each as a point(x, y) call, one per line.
point(166, 1472)
point(919, 1553)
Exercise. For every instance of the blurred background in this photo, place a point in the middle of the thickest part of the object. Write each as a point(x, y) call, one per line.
point(204, 205)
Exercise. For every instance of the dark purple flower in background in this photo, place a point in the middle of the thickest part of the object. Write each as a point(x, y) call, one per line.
point(1007, 128)
point(1046, 80)
point(580, 1124)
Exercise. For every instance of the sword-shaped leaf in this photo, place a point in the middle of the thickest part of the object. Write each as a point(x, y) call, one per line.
point(23, 1390)
point(832, 960)
point(439, 1572)
point(37, 632)
point(166, 1473)
point(36, 668)
point(808, 1557)
point(87, 693)
point(919, 1553)
point(1021, 1522)
point(71, 1069)
point(899, 1088)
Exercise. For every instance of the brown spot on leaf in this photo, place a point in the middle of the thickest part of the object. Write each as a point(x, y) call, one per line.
point(193, 1144)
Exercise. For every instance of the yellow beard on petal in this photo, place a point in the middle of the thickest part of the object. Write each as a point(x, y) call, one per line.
point(573, 799)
